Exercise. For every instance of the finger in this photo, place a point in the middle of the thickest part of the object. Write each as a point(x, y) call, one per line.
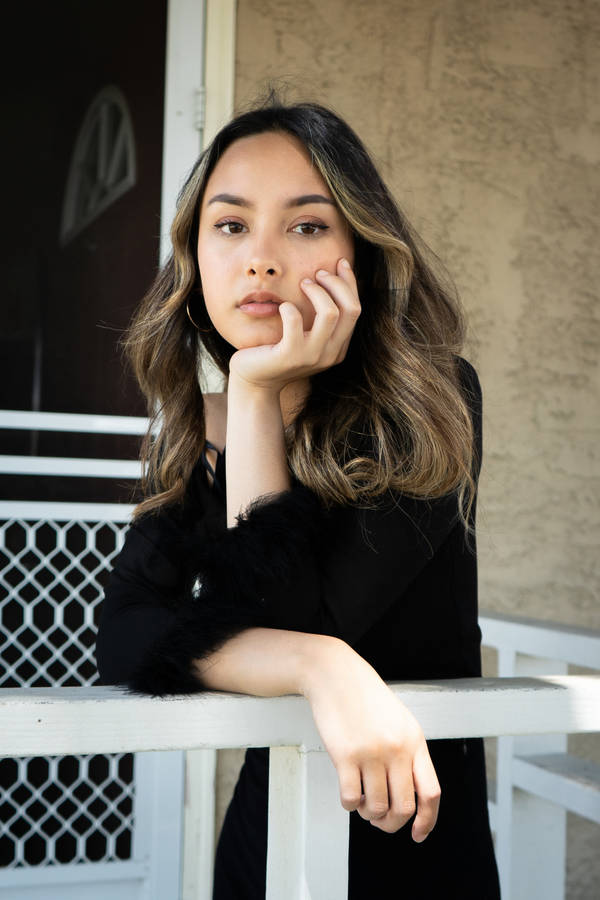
point(343, 291)
point(293, 324)
point(376, 803)
point(428, 791)
point(401, 793)
point(337, 308)
point(341, 285)
point(350, 791)
point(345, 271)
point(327, 313)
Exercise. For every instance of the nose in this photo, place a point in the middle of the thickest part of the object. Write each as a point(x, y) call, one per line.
point(263, 257)
point(262, 266)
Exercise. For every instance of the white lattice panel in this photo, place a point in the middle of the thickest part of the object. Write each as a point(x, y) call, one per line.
point(52, 576)
point(72, 809)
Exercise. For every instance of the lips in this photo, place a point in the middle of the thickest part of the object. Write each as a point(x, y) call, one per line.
point(261, 297)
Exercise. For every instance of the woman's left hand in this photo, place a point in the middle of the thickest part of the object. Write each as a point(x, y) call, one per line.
point(302, 353)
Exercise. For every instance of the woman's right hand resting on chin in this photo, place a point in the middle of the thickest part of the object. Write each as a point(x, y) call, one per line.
point(302, 353)
point(370, 735)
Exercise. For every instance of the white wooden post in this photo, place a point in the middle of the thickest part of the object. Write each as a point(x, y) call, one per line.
point(539, 827)
point(157, 814)
point(504, 789)
point(328, 824)
point(198, 824)
point(307, 856)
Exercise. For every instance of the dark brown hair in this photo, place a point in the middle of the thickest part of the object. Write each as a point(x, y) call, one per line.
point(391, 415)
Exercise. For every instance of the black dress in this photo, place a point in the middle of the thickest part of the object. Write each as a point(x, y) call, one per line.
point(399, 584)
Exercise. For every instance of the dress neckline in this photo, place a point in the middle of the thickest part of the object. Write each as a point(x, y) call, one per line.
point(211, 446)
point(218, 473)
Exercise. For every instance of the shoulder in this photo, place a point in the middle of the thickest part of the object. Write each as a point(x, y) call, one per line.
point(469, 379)
point(150, 552)
point(215, 417)
point(471, 389)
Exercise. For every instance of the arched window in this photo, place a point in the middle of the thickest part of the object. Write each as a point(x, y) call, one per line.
point(103, 162)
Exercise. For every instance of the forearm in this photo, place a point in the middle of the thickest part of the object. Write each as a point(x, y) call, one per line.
point(271, 662)
point(256, 461)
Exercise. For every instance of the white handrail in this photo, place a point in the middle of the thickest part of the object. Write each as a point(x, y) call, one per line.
point(536, 637)
point(64, 511)
point(311, 862)
point(70, 466)
point(26, 420)
point(76, 423)
point(108, 720)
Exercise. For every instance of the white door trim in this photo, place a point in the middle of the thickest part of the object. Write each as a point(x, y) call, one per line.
point(199, 89)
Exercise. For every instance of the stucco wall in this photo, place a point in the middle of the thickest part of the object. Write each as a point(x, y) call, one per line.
point(484, 118)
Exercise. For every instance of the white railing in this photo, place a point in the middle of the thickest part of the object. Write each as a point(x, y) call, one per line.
point(537, 781)
point(72, 423)
point(307, 850)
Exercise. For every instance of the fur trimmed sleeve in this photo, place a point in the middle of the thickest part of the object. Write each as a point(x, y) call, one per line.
point(235, 581)
point(179, 591)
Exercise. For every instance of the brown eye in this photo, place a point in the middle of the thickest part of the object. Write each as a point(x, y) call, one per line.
point(220, 226)
point(313, 225)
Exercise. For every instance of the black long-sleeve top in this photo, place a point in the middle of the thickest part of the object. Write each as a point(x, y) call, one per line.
point(398, 583)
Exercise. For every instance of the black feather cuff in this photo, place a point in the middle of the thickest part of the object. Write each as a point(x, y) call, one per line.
point(237, 580)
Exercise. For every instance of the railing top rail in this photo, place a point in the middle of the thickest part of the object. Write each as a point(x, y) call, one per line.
point(49, 511)
point(26, 420)
point(70, 466)
point(539, 637)
point(51, 721)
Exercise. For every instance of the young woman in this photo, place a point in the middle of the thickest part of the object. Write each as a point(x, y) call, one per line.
point(331, 547)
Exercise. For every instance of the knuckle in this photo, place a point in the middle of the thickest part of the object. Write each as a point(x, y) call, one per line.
point(377, 809)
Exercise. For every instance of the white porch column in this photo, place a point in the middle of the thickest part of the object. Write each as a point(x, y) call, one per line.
point(539, 827)
point(307, 857)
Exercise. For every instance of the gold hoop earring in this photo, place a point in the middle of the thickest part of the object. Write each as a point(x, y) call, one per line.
point(189, 315)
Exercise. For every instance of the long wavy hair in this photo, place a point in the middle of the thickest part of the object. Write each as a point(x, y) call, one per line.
point(391, 416)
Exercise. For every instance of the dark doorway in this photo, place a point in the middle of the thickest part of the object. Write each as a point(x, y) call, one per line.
point(68, 300)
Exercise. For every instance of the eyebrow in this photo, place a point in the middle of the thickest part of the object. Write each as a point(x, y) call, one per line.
point(293, 201)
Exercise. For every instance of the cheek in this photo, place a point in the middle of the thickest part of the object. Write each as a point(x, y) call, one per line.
point(212, 271)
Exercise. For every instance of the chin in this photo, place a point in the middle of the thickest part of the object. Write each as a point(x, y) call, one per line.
point(261, 334)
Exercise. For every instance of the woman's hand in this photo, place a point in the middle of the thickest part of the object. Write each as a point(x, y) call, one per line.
point(302, 353)
point(374, 741)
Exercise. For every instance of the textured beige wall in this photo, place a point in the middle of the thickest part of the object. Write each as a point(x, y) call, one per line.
point(484, 117)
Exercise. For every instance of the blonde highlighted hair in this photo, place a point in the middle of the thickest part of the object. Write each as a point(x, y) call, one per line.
point(392, 416)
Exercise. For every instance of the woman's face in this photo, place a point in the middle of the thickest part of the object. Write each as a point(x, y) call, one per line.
point(267, 221)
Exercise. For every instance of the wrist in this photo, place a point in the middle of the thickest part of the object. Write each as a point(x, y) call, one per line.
point(238, 386)
point(322, 659)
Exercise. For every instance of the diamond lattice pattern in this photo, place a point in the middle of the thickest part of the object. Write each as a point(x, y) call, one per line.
point(67, 809)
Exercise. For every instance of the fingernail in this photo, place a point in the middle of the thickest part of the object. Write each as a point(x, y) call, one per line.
point(419, 838)
point(322, 272)
point(307, 281)
point(345, 263)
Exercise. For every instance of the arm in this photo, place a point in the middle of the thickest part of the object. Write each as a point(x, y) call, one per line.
point(349, 700)
point(365, 729)
point(256, 462)
point(264, 662)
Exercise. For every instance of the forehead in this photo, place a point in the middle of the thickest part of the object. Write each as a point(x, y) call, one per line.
point(272, 162)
